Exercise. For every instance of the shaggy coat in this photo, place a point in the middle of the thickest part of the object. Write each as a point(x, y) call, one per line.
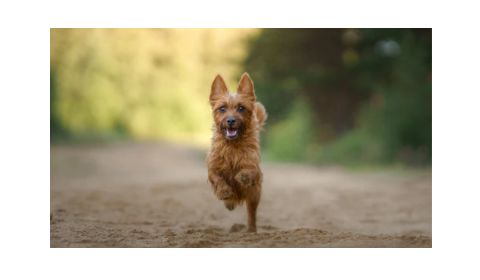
point(234, 158)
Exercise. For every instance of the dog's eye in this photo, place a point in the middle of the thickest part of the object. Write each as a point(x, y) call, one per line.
point(241, 108)
point(222, 109)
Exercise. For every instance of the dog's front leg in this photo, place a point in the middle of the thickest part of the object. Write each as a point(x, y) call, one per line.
point(222, 190)
point(247, 177)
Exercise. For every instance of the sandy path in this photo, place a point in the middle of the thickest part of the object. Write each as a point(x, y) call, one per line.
point(156, 195)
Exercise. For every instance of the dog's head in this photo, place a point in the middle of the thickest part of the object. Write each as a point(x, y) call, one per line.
point(232, 112)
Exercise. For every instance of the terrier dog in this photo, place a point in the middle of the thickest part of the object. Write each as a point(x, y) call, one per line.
point(234, 158)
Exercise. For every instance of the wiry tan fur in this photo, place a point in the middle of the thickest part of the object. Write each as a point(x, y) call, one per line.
point(234, 165)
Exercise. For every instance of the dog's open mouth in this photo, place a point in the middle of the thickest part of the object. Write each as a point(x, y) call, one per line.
point(231, 133)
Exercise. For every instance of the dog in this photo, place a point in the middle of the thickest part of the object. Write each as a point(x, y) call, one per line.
point(234, 157)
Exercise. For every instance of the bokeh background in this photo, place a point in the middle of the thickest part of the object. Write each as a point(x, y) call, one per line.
point(346, 152)
point(353, 97)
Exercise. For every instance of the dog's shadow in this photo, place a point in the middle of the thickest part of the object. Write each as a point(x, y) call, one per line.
point(242, 228)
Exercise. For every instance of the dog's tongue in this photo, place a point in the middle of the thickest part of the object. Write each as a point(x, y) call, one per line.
point(231, 132)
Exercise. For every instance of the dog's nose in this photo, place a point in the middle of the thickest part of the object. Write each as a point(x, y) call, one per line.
point(230, 121)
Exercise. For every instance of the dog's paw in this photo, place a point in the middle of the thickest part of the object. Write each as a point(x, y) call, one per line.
point(229, 204)
point(244, 178)
point(224, 192)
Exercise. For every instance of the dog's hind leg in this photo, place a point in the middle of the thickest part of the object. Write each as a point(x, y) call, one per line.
point(252, 204)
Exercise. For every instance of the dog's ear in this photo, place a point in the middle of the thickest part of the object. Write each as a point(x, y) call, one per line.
point(219, 89)
point(245, 86)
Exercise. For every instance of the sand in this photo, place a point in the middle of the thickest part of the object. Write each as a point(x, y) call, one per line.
point(129, 194)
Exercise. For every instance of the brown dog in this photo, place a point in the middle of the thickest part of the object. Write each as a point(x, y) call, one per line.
point(234, 157)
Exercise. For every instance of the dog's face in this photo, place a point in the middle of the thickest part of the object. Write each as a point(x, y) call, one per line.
point(232, 112)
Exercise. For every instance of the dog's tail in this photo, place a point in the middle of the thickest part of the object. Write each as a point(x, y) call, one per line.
point(261, 114)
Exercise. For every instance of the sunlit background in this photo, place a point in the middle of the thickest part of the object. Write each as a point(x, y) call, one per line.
point(334, 96)
point(346, 151)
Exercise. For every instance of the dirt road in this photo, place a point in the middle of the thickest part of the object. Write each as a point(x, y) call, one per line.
point(157, 195)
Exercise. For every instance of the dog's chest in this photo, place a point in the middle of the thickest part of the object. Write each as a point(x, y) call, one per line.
point(232, 160)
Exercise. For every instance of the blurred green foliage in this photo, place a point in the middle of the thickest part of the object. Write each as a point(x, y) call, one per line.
point(344, 96)
point(140, 83)
point(286, 138)
point(368, 91)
